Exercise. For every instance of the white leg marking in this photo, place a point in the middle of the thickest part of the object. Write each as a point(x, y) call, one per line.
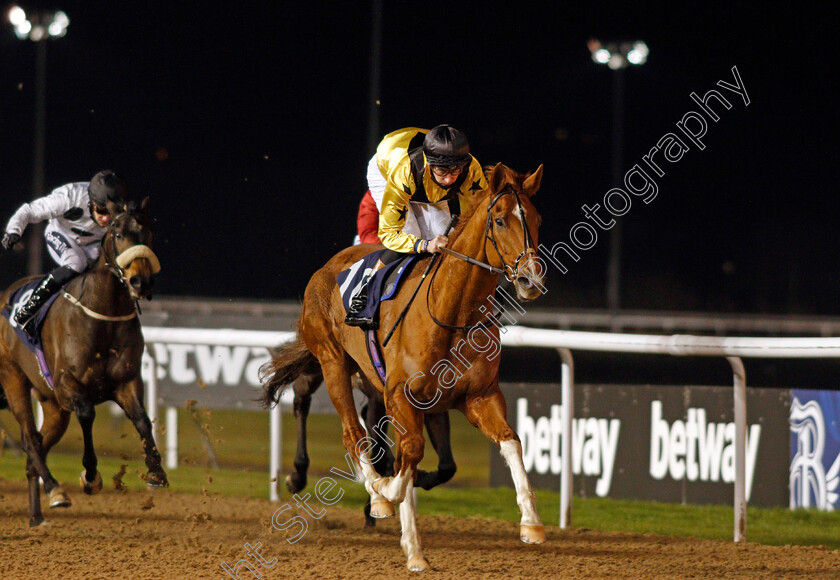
point(369, 475)
point(525, 498)
point(394, 488)
point(410, 540)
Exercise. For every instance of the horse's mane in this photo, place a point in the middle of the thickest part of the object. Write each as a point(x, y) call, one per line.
point(511, 178)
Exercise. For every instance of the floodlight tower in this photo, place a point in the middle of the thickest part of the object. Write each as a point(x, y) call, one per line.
point(617, 56)
point(38, 28)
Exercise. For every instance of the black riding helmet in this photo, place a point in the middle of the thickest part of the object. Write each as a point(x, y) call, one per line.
point(445, 145)
point(106, 186)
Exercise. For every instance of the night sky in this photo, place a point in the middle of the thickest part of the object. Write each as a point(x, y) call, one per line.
point(247, 125)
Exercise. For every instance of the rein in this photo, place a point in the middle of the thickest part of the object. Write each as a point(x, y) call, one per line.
point(489, 234)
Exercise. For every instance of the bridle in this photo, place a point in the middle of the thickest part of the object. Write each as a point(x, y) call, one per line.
point(116, 264)
point(509, 272)
point(490, 234)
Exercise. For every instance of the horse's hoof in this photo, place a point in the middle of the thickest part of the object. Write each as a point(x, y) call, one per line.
point(157, 480)
point(37, 522)
point(532, 533)
point(381, 509)
point(58, 498)
point(91, 487)
point(418, 564)
point(294, 484)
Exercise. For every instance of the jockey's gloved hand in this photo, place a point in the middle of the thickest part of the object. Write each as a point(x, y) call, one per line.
point(9, 240)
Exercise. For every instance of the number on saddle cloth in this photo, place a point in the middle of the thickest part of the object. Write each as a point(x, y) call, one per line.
point(382, 286)
point(16, 301)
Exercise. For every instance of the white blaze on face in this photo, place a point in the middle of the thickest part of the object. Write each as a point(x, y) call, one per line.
point(519, 211)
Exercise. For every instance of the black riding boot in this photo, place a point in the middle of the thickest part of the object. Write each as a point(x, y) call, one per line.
point(357, 304)
point(25, 317)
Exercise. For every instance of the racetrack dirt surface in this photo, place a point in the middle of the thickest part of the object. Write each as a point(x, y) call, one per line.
point(160, 534)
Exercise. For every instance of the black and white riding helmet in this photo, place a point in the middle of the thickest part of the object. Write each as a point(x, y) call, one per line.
point(107, 186)
point(447, 146)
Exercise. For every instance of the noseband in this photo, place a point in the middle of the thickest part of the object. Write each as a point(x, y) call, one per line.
point(490, 234)
point(118, 263)
point(509, 272)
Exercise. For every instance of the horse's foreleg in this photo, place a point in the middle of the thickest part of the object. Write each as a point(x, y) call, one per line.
point(410, 538)
point(91, 480)
point(303, 388)
point(488, 413)
point(55, 425)
point(129, 396)
point(437, 426)
point(408, 426)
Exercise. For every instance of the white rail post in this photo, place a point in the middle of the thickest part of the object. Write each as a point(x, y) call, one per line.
point(740, 409)
point(276, 451)
point(171, 437)
point(568, 411)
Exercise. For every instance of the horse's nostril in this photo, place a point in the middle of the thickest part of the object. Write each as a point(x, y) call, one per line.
point(524, 281)
point(136, 282)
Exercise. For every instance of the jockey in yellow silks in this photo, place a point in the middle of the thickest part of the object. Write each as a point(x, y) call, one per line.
point(418, 178)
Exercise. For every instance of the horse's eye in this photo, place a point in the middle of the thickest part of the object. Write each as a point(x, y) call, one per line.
point(500, 222)
point(118, 236)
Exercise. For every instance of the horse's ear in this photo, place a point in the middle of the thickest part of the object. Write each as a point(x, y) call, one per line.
point(532, 184)
point(496, 177)
point(144, 205)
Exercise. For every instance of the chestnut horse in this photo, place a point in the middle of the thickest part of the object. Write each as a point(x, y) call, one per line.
point(373, 413)
point(93, 346)
point(443, 356)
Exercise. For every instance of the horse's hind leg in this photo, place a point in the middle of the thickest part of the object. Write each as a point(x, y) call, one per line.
point(373, 412)
point(337, 379)
point(437, 426)
point(129, 396)
point(17, 388)
point(303, 387)
point(488, 413)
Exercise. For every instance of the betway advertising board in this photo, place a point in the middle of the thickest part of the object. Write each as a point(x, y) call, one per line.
point(661, 443)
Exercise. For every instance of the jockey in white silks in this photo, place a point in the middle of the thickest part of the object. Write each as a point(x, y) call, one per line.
point(79, 215)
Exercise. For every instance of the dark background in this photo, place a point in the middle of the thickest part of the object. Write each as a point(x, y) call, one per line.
point(247, 124)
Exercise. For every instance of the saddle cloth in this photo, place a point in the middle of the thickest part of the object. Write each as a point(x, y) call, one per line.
point(383, 285)
point(16, 301)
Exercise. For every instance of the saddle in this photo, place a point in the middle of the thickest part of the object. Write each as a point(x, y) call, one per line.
point(382, 286)
point(16, 300)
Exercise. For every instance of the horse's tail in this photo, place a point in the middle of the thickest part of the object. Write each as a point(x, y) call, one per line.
point(289, 362)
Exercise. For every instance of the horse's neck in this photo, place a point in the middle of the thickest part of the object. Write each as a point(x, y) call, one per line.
point(100, 290)
point(460, 288)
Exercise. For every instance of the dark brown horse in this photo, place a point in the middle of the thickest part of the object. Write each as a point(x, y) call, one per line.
point(93, 347)
point(443, 356)
point(373, 413)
